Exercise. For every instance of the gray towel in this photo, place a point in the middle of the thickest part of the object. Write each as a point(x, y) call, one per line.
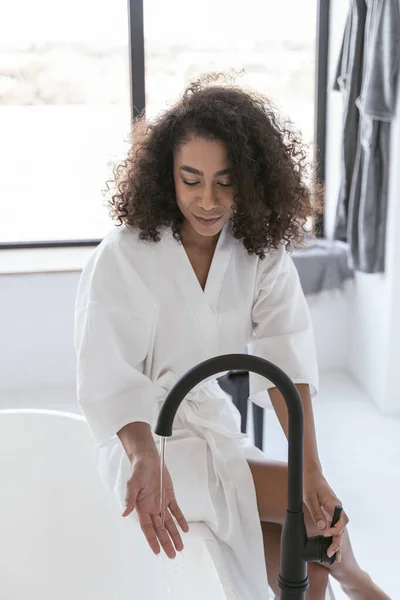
point(367, 78)
point(322, 265)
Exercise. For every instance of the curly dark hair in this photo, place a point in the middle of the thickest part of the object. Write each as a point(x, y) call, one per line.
point(271, 171)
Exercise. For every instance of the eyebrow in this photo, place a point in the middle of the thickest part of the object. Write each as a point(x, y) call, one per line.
point(197, 172)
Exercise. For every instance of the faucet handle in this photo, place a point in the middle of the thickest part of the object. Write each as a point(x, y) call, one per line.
point(336, 515)
point(316, 550)
point(317, 546)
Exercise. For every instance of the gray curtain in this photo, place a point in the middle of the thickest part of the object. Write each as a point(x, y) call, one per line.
point(367, 79)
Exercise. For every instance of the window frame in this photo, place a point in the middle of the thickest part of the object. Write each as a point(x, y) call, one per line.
point(321, 99)
point(138, 94)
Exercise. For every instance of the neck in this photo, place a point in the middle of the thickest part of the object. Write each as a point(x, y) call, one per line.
point(190, 238)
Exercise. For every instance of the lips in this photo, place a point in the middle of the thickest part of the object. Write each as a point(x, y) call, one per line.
point(208, 219)
point(208, 223)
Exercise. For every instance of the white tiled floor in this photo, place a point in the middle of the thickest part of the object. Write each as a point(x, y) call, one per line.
point(360, 452)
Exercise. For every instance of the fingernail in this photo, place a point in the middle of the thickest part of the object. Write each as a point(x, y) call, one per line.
point(321, 524)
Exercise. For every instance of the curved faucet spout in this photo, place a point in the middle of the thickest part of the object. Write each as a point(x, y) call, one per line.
point(293, 580)
point(254, 364)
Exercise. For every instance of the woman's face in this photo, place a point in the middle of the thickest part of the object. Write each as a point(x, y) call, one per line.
point(203, 186)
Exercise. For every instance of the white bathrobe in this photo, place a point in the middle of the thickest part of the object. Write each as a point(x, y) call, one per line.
point(143, 320)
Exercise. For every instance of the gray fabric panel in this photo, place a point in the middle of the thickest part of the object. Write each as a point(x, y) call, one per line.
point(369, 198)
point(381, 59)
point(348, 81)
point(368, 62)
point(322, 265)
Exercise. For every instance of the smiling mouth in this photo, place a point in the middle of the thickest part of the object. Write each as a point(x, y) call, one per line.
point(208, 220)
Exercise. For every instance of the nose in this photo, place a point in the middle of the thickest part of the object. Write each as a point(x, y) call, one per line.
point(208, 199)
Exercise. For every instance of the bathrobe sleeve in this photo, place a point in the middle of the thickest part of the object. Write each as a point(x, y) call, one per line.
point(114, 321)
point(283, 332)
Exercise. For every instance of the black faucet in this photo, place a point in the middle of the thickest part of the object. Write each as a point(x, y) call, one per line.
point(297, 549)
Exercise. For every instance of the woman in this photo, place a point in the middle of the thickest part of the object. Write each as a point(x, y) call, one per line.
point(210, 198)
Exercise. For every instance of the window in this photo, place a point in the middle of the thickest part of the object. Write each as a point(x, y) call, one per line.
point(64, 116)
point(65, 97)
point(272, 42)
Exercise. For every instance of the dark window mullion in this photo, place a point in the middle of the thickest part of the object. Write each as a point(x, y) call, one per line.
point(136, 56)
point(321, 89)
point(47, 244)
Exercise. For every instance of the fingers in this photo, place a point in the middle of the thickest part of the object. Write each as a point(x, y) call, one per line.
point(130, 500)
point(335, 546)
point(177, 513)
point(336, 533)
point(167, 537)
point(146, 523)
point(317, 515)
point(173, 532)
point(163, 536)
point(339, 528)
point(327, 506)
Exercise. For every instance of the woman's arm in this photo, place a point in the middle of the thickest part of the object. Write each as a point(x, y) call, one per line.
point(113, 324)
point(311, 458)
point(137, 439)
point(319, 497)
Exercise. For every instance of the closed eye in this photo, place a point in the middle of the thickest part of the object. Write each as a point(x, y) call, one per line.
point(224, 185)
point(190, 182)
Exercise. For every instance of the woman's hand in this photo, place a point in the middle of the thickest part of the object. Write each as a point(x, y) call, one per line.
point(143, 494)
point(321, 500)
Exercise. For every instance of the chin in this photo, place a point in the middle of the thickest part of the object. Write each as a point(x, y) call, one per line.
point(209, 232)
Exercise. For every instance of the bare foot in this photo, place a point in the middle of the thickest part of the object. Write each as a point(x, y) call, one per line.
point(365, 589)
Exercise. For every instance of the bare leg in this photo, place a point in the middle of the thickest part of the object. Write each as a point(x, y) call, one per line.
point(270, 479)
point(318, 576)
point(272, 539)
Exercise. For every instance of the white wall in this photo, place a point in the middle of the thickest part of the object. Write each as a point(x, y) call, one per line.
point(36, 324)
point(374, 342)
point(375, 350)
